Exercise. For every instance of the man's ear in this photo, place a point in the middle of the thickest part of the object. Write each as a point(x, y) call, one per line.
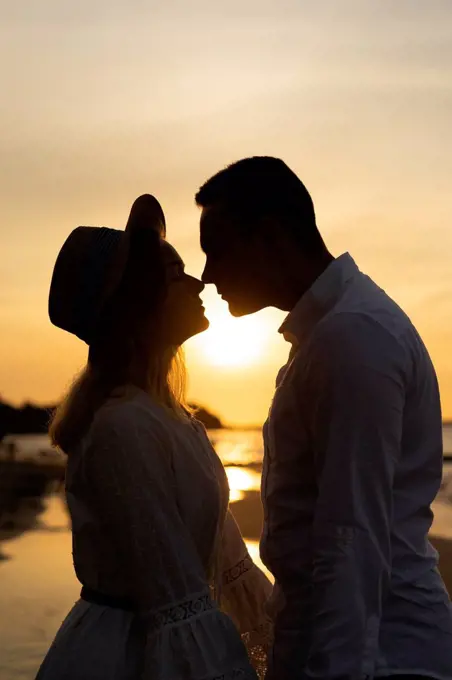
point(272, 244)
point(269, 230)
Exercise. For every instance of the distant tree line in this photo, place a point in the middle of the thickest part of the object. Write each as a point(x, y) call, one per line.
point(27, 419)
point(32, 419)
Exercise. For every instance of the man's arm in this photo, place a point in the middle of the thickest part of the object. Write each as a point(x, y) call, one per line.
point(358, 393)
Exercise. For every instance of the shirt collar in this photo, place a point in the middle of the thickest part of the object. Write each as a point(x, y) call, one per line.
point(322, 296)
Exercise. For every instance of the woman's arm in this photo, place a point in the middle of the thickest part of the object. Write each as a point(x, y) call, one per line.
point(245, 594)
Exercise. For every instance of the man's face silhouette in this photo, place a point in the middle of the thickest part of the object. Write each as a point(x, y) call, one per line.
point(234, 262)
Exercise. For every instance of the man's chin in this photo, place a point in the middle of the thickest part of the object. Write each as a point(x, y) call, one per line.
point(201, 326)
point(239, 308)
point(237, 312)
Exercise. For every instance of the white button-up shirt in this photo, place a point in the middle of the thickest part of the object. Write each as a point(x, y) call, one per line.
point(353, 461)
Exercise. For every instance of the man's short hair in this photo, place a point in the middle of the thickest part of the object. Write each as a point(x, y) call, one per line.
point(259, 187)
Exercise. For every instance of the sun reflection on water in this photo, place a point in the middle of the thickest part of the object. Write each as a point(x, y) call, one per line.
point(253, 549)
point(241, 480)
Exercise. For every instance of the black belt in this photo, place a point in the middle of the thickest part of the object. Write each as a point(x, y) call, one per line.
point(96, 597)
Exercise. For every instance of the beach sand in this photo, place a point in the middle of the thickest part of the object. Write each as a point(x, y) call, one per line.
point(249, 515)
point(444, 547)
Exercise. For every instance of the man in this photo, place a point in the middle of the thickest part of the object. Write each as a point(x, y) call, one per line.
point(353, 442)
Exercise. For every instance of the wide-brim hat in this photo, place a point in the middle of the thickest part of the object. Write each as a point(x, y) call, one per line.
point(91, 265)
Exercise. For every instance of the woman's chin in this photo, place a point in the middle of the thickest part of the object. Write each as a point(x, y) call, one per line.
point(203, 325)
point(196, 328)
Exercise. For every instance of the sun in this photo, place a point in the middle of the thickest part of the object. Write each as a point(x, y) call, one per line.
point(230, 342)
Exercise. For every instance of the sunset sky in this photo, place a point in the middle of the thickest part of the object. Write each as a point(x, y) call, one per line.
point(104, 100)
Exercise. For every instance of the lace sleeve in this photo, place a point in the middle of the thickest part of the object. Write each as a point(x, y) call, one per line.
point(245, 593)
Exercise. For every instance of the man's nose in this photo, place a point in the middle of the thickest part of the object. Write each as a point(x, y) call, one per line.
point(206, 276)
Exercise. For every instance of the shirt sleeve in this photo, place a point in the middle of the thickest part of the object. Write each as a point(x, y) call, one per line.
point(356, 389)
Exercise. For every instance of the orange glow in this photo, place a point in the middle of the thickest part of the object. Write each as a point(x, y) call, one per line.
point(365, 128)
point(241, 480)
point(231, 342)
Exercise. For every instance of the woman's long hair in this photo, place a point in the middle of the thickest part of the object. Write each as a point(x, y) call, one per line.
point(126, 347)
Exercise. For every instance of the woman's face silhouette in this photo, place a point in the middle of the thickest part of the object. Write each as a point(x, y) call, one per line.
point(183, 312)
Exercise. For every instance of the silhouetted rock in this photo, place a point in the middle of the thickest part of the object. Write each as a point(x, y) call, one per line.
point(209, 420)
point(30, 419)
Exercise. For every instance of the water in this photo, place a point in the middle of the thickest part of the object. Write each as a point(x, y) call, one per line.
point(447, 439)
point(38, 585)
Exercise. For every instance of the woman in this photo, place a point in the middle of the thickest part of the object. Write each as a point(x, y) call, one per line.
point(158, 554)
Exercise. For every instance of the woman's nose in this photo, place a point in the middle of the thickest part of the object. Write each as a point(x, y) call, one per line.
point(197, 284)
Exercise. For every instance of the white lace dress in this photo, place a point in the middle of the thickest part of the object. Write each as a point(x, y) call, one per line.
point(148, 499)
